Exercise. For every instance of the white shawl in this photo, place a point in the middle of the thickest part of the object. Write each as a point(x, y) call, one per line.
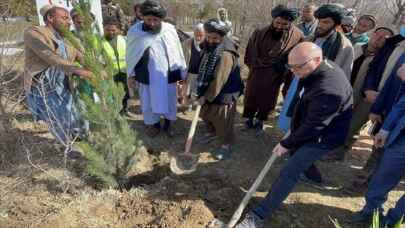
point(138, 41)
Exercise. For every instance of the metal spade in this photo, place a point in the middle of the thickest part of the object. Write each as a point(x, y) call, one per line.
point(216, 223)
point(187, 162)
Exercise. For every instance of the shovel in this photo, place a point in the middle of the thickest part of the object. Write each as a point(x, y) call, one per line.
point(238, 213)
point(187, 162)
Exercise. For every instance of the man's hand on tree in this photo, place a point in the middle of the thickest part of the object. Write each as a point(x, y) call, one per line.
point(84, 74)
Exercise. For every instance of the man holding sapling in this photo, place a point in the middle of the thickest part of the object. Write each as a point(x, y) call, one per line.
point(49, 68)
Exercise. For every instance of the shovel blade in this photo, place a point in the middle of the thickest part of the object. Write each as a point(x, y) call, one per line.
point(216, 223)
point(183, 164)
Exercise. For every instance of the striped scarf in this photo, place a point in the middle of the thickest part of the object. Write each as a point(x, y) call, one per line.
point(207, 68)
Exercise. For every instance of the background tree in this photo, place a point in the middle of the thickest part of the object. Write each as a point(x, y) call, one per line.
point(17, 8)
point(397, 9)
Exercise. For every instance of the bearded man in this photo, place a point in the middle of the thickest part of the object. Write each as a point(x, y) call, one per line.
point(335, 46)
point(266, 56)
point(219, 85)
point(155, 61)
point(50, 65)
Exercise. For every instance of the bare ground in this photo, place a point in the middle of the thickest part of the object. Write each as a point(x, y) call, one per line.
point(39, 188)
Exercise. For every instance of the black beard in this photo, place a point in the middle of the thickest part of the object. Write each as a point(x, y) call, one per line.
point(154, 30)
point(323, 35)
point(276, 34)
point(209, 47)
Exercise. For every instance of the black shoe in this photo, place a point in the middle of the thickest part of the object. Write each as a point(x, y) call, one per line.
point(310, 182)
point(166, 124)
point(207, 138)
point(153, 130)
point(74, 154)
point(167, 128)
point(360, 217)
point(249, 124)
point(169, 132)
point(259, 128)
point(322, 185)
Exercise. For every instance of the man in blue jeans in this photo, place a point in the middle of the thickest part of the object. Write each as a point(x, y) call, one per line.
point(392, 166)
point(320, 123)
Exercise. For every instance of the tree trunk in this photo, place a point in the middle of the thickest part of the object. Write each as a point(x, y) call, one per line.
point(398, 15)
point(356, 4)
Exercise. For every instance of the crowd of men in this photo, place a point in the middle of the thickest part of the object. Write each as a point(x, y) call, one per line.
point(337, 73)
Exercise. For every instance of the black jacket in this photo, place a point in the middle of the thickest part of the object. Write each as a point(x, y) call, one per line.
point(323, 113)
point(377, 66)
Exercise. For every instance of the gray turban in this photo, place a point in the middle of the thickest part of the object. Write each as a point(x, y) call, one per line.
point(216, 26)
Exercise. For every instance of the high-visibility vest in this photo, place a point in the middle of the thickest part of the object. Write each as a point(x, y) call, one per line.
point(119, 62)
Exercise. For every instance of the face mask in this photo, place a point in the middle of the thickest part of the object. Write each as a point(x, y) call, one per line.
point(402, 30)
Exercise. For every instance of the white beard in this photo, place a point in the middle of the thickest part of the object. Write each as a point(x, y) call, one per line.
point(196, 45)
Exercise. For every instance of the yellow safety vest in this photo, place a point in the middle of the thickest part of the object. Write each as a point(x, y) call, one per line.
point(119, 62)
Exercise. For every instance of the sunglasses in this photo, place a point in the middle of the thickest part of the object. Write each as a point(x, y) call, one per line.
point(298, 66)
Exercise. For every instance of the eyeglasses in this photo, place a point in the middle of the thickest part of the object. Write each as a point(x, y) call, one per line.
point(298, 66)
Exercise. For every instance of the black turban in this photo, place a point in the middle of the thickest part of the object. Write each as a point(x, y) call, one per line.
point(282, 11)
point(216, 26)
point(154, 8)
point(333, 11)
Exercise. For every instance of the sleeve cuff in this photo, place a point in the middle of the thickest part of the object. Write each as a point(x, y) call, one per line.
point(384, 132)
point(286, 143)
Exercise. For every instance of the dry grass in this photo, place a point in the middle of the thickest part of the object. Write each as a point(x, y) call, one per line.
point(10, 31)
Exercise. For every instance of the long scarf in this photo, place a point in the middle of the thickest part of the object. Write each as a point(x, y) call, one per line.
point(332, 45)
point(138, 41)
point(207, 68)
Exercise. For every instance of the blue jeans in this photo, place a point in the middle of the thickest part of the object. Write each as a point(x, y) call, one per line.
point(385, 178)
point(300, 161)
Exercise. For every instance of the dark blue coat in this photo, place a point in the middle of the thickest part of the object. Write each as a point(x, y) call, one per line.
point(377, 66)
point(390, 92)
point(395, 121)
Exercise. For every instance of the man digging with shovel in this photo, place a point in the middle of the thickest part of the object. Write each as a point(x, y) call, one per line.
point(320, 122)
point(218, 87)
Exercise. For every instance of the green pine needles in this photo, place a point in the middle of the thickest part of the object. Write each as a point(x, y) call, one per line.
point(111, 145)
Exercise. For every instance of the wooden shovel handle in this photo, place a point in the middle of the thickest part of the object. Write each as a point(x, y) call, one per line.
point(192, 130)
point(238, 213)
